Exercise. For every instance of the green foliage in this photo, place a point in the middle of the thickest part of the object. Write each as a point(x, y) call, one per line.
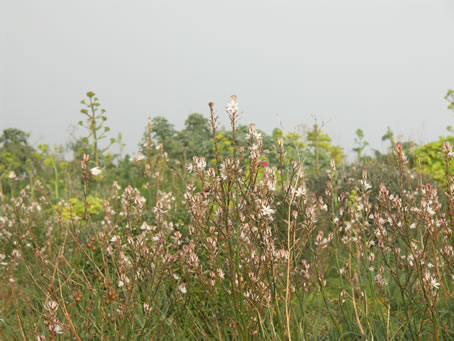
point(431, 159)
point(76, 208)
point(321, 149)
point(450, 98)
point(360, 144)
point(53, 165)
point(195, 138)
point(15, 152)
point(17, 158)
point(163, 132)
point(389, 136)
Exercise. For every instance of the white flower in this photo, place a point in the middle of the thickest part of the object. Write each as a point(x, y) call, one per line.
point(232, 106)
point(300, 192)
point(96, 171)
point(58, 329)
point(12, 175)
point(201, 163)
point(182, 288)
point(434, 283)
point(366, 185)
point(146, 307)
point(145, 226)
point(220, 273)
point(121, 284)
point(190, 167)
point(267, 211)
point(257, 135)
point(140, 157)
point(51, 306)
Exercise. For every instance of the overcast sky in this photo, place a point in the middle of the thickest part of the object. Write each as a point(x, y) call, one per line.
point(352, 63)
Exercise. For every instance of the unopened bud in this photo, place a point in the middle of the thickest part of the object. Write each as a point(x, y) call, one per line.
point(447, 148)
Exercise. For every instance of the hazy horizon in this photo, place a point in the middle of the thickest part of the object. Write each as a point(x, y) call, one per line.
point(353, 64)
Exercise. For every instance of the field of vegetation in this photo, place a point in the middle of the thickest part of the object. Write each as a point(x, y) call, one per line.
point(210, 233)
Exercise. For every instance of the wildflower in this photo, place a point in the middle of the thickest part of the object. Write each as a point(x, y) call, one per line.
point(182, 288)
point(366, 185)
point(201, 163)
point(257, 135)
point(232, 106)
point(220, 273)
point(447, 149)
point(267, 211)
point(96, 171)
point(434, 283)
point(51, 306)
point(379, 280)
point(400, 153)
point(57, 328)
point(12, 175)
point(145, 226)
point(146, 308)
point(301, 191)
point(36, 207)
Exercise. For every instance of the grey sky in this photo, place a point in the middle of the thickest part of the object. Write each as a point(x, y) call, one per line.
point(353, 63)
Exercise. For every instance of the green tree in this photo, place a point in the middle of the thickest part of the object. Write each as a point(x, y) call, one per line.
point(195, 138)
point(321, 149)
point(17, 156)
point(294, 147)
point(16, 153)
point(163, 132)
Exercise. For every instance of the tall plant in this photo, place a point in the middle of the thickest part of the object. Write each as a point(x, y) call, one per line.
point(95, 123)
